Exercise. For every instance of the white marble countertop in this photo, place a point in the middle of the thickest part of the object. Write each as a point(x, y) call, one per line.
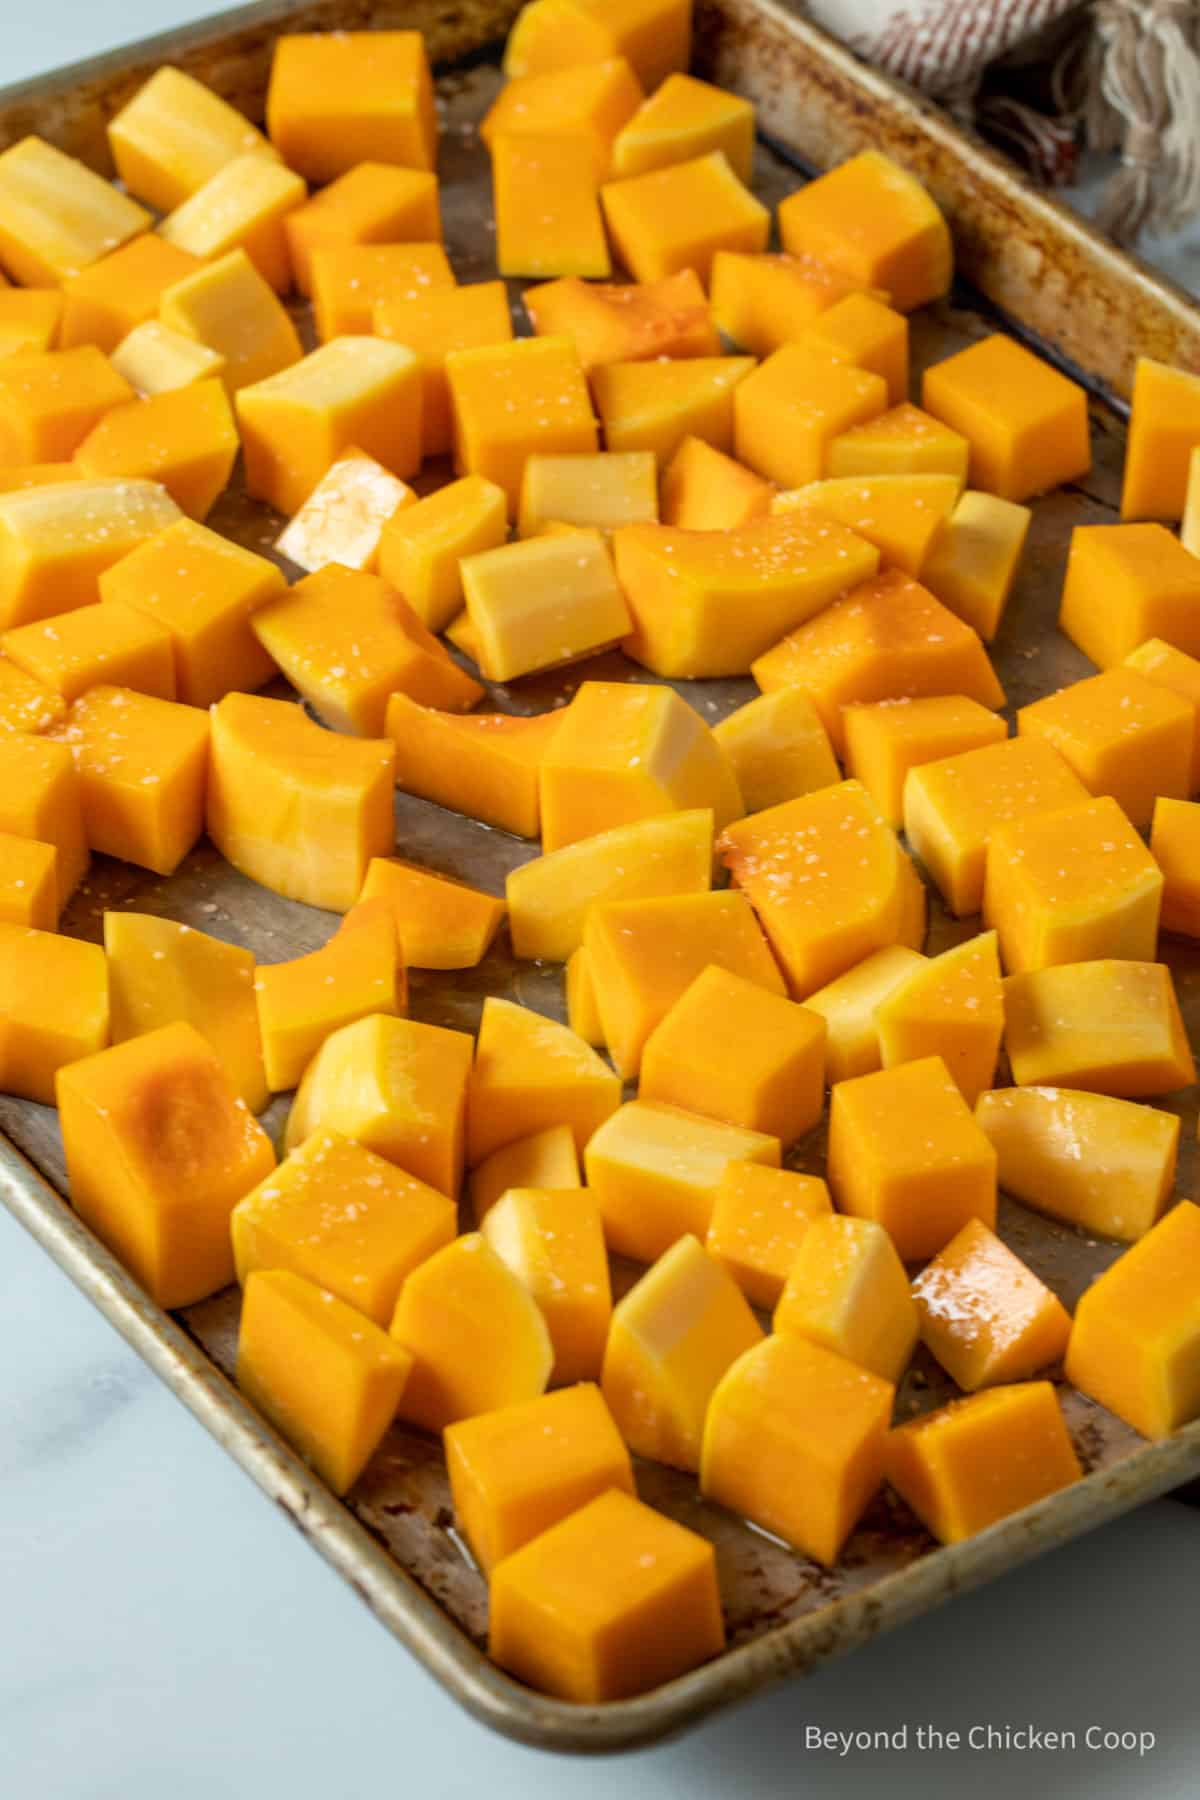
point(163, 1633)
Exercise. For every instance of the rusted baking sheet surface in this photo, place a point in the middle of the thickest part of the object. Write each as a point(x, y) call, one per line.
point(393, 1540)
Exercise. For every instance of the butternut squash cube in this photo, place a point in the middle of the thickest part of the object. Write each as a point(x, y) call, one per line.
point(29, 475)
point(531, 1072)
point(92, 644)
point(156, 360)
point(337, 98)
point(973, 564)
point(327, 1379)
point(1164, 425)
point(1189, 530)
point(1123, 735)
point(160, 971)
point(645, 954)
point(1026, 423)
point(53, 1008)
point(979, 1459)
point(159, 1150)
point(228, 307)
point(243, 206)
point(1127, 583)
point(509, 1484)
point(610, 324)
point(600, 492)
point(174, 134)
point(766, 300)
point(585, 105)
point(624, 751)
point(487, 765)
point(345, 1219)
point(545, 408)
point(347, 642)
point(542, 601)
point(847, 1291)
point(299, 809)
point(1135, 1344)
point(654, 37)
point(1175, 847)
point(828, 881)
point(358, 971)
point(788, 412)
point(952, 1006)
point(985, 1315)
point(350, 280)
point(683, 119)
point(678, 217)
point(708, 603)
point(553, 1241)
point(904, 516)
point(434, 322)
point(30, 319)
point(1107, 1166)
point(547, 209)
point(705, 490)
point(142, 764)
point(1109, 1027)
point(616, 1598)
point(28, 882)
point(904, 1150)
point(952, 807)
point(865, 332)
point(583, 1008)
point(655, 405)
point(778, 747)
point(656, 1172)
point(672, 1338)
point(56, 540)
point(887, 738)
point(441, 924)
point(51, 399)
point(902, 441)
point(875, 223)
point(546, 1159)
point(795, 1440)
point(185, 439)
point(732, 1050)
point(1173, 669)
point(760, 1218)
point(372, 203)
point(57, 216)
point(421, 546)
point(343, 518)
point(850, 1005)
point(41, 798)
point(549, 898)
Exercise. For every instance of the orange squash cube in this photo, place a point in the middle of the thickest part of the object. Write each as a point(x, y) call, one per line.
point(616, 1597)
point(868, 334)
point(343, 518)
point(544, 1160)
point(705, 490)
point(159, 1150)
point(887, 738)
point(546, 408)
point(1109, 1027)
point(656, 405)
point(654, 36)
point(28, 882)
point(952, 1006)
point(985, 1315)
point(610, 324)
point(1027, 425)
point(850, 1005)
point(904, 1150)
point(795, 1440)
point(1127, 583)
point(422, 546)
point(977, 1460)
point(441, 924)
point(904, 516)
point(58, 538)
point(50, 400)
point(328, 1379)
point(108, 299)
point(1189, 530)
point(787, 413)
point(57, 216)
point(431, 324)
point(1164, 425)
point(539, 602)
point(760, 1218)
point(228, 307)
point(683, 119)
point(174, 134)
point(553, 1241)
point(185, 439)
point(31, 475)
point(243, 206)
point(764, 301)
point(902, 441)
point(41, 798)
point(602, 492)
point(847, 1291)
point(1175, 847)
point(338, 98)
point(142, 764)
point(531, 1072)
point(1173, 669)
point(345, 1219)
point(93, 644)
point(778, 747)
point(53, 1008)
point(973, 564)
point(372, 203)
point(350, 280)
point(678, 217)
point(31, 318)
point(487, 765)
point(359, 970)
point(583, 1010)
point(509, 1484)
point(156, 360)
point(1123, 735)
point(1136, 1335)
point(875, 223)
point(582, 107)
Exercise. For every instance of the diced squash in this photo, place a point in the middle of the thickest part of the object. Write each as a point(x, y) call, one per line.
point(1122, 735)
point(610, 324)
point(616, 1597)
point(902, 441)
point(53, 1008)
point(19, 476)
point(705, 490)
point(531, 1072)
point(868, 334)
point(1135, 1344)
point(847, 1290)
point(654, 37)
point(110, 298)
point(56, 540)
point(358, 971)
point(546, 408)
point(787, 413)
point(516, 1472)
point(850, 1004)
point(586, 104)
point(299, 809)
point(1107, 1166)
point(547, 209)
point(343, 518)
point(887, 738)
point(977, 1460)
point(93, 644)
point(1108, 1027)
point(1175, 847)
point(672, 1338)
point(338, 98)
point(349, 281)
point(1127, 583)
point(57, 216)
point(678, 217)
point(185, 439)
point(985, 1315)
point(656, 1172)
point(1173, 669)
point(396, 1086)
point(1026, 423)
point(683, 119)
point(973, 565)
point(26, 704)
point(28, 882)
point(766, 300)
point(583, 1009)
point(441, 924)
point(229, 308)
point(542, 601)
point(1189, 530)
point(760, 1218)
point(174, 134)
point(794, 1441)
point(160, 972)
point(243, 206)
point(434, 322)
point(31, 318)
point(655, 405)
point(1164, 425)
point(372, 203)
point(778, 747)
point(41, 798)
point(142, 764)
point(159, 1149)
point(553, 1241)
point(156, 360)
point(422, 546)
point(904, 1150)
point(544, 1160)
point(952, 1006)
point(904, 516)
point(50, 400)
point(345, 1219)
point(603, 491)
point(875, 223)
point(486, 765)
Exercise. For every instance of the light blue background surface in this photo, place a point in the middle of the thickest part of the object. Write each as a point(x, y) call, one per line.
point(163, 1634)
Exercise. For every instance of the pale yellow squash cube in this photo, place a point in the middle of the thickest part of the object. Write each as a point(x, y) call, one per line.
point(1108, 1027)
point(847, 1290)
point(229, 308)
point(343, 518)
point(422, 547)
point(57, 216)
point(974, 563)
point(155, 360)
point(553, 1241)
point(545, 1159)
point(56, 541)
point(850, 1005)
point(174, 135)
point(243, 206)
point(952, 1007)
point(531, 1072)
point(601, 492)
point(778, 747)
point(542, 601)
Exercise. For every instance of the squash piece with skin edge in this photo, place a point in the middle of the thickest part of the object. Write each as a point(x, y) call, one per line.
point(679, 217)
point(654, 36)
point(973, 564)
point(186, 440)
point(542, 601)
point(372, 203)
point(359, 971)
point(672, 1338)
point(227, 306)
point(159, 1150)
point(299, 809)
point(760, 1219)
point(904, 516)
point(174, 134)
point(441, 923)
point(615, 324)
point(655, 405)
point(345, 1219)
point(39, 1034)
point(28, 883)
point(486, 765)
point(544, 1160)
point(92, 644)
point(432, 323)
point(160, 971)
point(1108, 1027)
point(421, 547)
point(553, 1241)
point(902, 441)
point(549, 408)
point(338, 98)
point(1026, 423)
point(547, 211)
point(110, 298)
point(531, 1072)
point(56, 541)
point(328, 1379)
point(682, 119)
point(787, 413)
point(41, 797)
point(1170, 668)
point(603, 491)
point(583, 1008)
point(243, 206)
point(343, 518)
point(156, 360)
point(142, 765)
point(476, 1336)
point(57, 216)
point(1122, 735)
point(705, 490)
point(985, 1315)
point(778, 747)
point(795, 1440)
point(952, 1006)
point(848, 1291)
point(850, 1004)
point(875, 223)
point(887, 738)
